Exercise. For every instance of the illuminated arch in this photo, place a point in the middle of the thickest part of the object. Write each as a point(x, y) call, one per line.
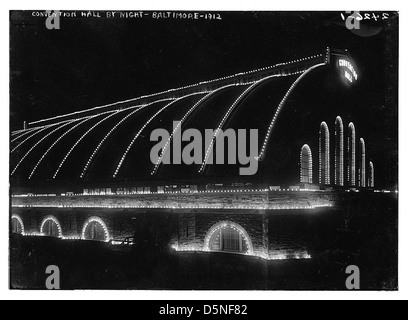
point(122, 160)
point(51, 223)
point(97, 235)
point(243, 241)
point(306, 165)
point(189, 113)
point(339, 152)
point(351, 146)
point(17, 224)
point(371, 178)
point(324, 154)
point(362, 167)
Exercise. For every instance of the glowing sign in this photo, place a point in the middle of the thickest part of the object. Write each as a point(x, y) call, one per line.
point(348, 70)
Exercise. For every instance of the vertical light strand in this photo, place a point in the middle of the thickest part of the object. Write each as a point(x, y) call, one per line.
point(306, 165)
point(339, 152)
point(324, 154)
point(351, 155)
point(362, 163)
point(372, 175)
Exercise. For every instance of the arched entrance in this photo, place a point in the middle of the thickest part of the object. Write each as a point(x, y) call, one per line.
point(17, 225)
point(51, 227)
point(95, 230)
point(228, 237)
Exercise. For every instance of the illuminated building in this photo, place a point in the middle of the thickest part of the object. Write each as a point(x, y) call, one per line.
point(72, 172)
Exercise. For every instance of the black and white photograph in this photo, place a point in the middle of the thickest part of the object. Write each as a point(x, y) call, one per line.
point(203, 150)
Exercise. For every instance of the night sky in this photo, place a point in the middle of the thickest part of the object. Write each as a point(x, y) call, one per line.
point(92, 62)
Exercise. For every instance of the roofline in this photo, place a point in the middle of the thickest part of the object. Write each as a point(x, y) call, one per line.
point(204, 86)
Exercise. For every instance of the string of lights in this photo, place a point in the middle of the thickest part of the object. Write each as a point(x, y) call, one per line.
point(372, 175)
point(363, 163)
point(19, 221)
point(172, 91)
point(228, 113)
point(180, 206)
point(306, 165)
point(57, 141)
point(38, 143)
point(352, 155)
point(98, 221)
point(79, 141)
point(324, 154)
point(115, 127)
point(190, 112)
point(339, 150)
point(30, 137)
point(234, 226)
point(23, 134)
point(281, 105)
point(144, 127)
point(54, 220)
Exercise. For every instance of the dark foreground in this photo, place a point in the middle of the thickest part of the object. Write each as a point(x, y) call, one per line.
point(92, 265)
point(370, 242)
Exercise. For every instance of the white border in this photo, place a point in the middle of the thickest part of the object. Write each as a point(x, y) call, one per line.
point(213, 5)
